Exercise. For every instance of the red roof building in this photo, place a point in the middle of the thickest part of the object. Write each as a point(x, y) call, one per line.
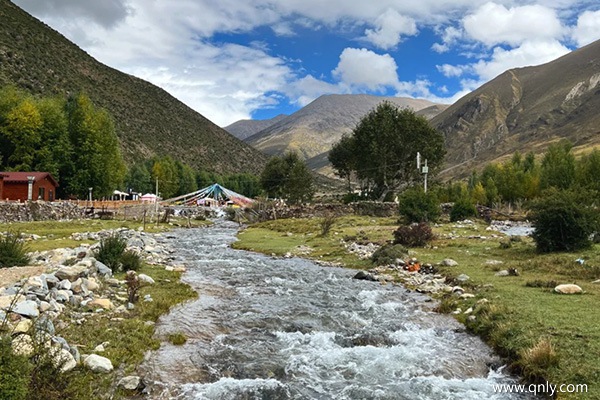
point(16, 186)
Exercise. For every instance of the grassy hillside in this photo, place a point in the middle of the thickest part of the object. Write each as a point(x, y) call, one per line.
point(149, 121)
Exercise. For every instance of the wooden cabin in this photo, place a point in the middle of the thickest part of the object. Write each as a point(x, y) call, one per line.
point(24, 186)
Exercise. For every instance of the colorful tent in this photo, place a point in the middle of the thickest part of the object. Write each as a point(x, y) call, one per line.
point(212, 195)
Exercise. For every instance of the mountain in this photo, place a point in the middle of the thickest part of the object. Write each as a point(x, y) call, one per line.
point(148, 120)
point(525, 109)
point(314, 129)
point(247, 127)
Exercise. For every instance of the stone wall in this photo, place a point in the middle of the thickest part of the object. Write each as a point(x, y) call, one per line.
point(39, 211)
point(370, 208)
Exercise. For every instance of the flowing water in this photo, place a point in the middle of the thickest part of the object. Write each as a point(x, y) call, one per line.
point(266, 328)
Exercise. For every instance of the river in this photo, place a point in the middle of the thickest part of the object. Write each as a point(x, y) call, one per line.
point(270, 328)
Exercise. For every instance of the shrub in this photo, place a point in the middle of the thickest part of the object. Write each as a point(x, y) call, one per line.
point(178, 339)
point(415, 205)
point(13, 251)
point(414, 235)
point(564, 220)
point(463, 208)
point(537, 360)
point(388, 254)
point(110, 251)
point(327, 223)
point(130, 261)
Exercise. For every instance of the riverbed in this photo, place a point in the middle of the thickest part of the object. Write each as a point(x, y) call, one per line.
point(273, 328)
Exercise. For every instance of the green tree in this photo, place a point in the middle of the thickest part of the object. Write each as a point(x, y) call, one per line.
point(414, 205)
point(564, 220)
point(22, 129)
point(385, 146)
point(288, 177)
point(139, 179)
point(558, 166)
point(55, 154)
point(342, 158)
point(165, 170)
point(186, 177)
point(97, 160)
point(588, 171)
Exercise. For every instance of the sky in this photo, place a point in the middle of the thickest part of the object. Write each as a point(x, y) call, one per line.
point(254, 59)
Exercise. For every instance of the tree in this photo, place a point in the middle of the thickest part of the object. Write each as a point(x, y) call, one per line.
point(564, 220)
point(414, 205)
point(288, 177)
point(558, 166)
point(139, 179)
point(22, 129)
point(341, 156)
point(97, 160)
point(165, 170)
point(384, 146)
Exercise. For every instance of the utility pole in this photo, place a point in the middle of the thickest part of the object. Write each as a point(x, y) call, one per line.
point(156, 202)
point(424, 171)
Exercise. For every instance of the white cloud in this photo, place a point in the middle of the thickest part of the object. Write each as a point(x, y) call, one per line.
point(106, 12)
point(529, 53)
point(390, 26)
point(450, 36)
point(494, 24)
point(308, 88)
point(364, 69)
point(451, 71)
point(588, 28)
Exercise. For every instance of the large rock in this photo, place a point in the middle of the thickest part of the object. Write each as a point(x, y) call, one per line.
point(131, 383)
point(568, 289)
point(145, 280)
point(102, 303)
point(103, 269)
point(448, 262)
point(27, 308)
point(71, 273)
point(98, 363)
point(22, 345)
point(65, 360)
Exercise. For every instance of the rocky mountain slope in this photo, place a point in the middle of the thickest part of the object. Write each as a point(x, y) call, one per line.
point(312, 130)
point(148, 120)
point(525, 109)
point(247, 127)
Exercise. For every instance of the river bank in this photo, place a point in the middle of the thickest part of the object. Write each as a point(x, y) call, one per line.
point(542, 335)
point(70, 310)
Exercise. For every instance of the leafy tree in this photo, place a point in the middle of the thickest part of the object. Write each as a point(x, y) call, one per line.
point(564, 220)
point(383, 148)
point(415, 205)
point(558, 166)
point(165, 170)
point(588, 171)
point(22, 129)
point(186, 177)
point(56, 151)
point(97, 159)
point(139, 179)
point(288, 177)
point(342, 158)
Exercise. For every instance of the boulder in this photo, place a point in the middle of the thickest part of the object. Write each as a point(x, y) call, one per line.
point(98, 363)
point(102, 303)
point(71, 273)
point(22, 345)
point(463, 278)
point(365, 276)
point(65, 360)
point(145, 280)
point(568, 289)
point(27, 308)
point(92, 285)
point(448, 262)
point(23, 326)
point(103, 269)
point(132, 383)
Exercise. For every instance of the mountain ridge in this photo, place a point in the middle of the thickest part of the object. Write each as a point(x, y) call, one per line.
point(148, 120)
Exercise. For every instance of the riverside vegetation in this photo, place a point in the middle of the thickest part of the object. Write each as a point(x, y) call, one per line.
point(127, 335)
point(542, 335)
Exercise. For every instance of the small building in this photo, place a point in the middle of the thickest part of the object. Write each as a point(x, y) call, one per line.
point(27, 186)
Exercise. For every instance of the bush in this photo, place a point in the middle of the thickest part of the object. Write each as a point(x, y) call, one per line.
point(463, 208)
point(564, 220)
point(110, 251)
point(13, 251)
point(388, 254)
point(131, 261)
point(417, 206)
point(326, 224)
point(414, 235)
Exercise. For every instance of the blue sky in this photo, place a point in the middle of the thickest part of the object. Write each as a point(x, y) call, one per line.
point(241, 59)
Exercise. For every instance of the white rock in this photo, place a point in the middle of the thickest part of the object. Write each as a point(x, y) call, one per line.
point(65, 284)
point(92, 285)
point(568, 289)
point(22, 345)
point(463, 278)
point(71, 273)
point(130, 383)
point(98, 363)
point(448, 262)
point(27, 308)
point(44, 306)
point(65, 360)
point(145, 280)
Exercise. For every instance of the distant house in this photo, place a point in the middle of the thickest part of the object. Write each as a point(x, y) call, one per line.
point(16, 186)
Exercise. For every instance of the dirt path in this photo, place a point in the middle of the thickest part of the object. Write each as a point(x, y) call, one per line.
point(14, 274)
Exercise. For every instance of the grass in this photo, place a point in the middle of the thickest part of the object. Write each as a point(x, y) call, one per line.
point(545, 336)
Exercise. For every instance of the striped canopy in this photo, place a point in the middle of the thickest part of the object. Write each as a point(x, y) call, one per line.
point(214, 192)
